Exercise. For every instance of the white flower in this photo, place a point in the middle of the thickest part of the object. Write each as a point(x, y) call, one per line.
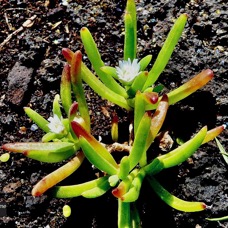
point(127, 70)
point(55, 125)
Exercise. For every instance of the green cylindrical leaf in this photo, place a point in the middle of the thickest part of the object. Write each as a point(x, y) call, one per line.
point(37, 118)
point(58, 175)
point(144, 62)
point(56, 107)
point(124, 168)
point(103, 90)
point(65, 88)
point(183, 152)
point(78, 88)
point(110, 70)
point(97, 191)
point(130, 21)
point(178, 155)
point(46, 152)
point(96, 146)
point(129, 42)
point(139, 110)
point(95, 59)
point(166, 51)
point(77, 190)
point(173, 201)
point(124, 216)
point(96, 158)
point(138, 83)
point(139, 146)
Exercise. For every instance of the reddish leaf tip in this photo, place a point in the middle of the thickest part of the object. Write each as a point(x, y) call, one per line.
point(25, 153)
point(165, 97)
point(36, 193)
point(154, 99)
point(119, 191)
point(73, 108)
point(204, 206)
point(67, 53)
point(115, 119)
point(116, 192)
point(209, 73)
point(149, 113)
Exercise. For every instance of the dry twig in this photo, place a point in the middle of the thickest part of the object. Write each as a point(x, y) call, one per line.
point(27, 24)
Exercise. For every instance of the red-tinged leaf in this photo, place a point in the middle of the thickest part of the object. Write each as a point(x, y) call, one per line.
point(124, 185)
point(66, 74)
point(46, 152)
point(58, 175)
point(76, 66)
point(151, 97)
point(71, 191)
point(101, 159)
point(138, 149)
point(73, 110)
point(213, 133)
point(173, 201)
point(191, 86)
point(114, 129)
point(96, 145)
point(80, 131)
point(159, 117)
point(68, 54)
point(119, 191)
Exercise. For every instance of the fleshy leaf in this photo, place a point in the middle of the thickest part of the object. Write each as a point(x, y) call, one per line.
point(78, 88)
point(97, 191)
point(173, 201)
point(139, 145)
point(96, 153)
point(46, 152)
point(124, 215)
point(144, 62)
point(158, 119)
point(211, 134)
point(77, 190)
point(178, 155)
point(166, 51)
point(95, 59)
point(96, 84)
point(190, 86)
point(37, 118)
point(137, 83)
point(65, 88)
point(133, 193)
point(58, 175)
point(103, 90)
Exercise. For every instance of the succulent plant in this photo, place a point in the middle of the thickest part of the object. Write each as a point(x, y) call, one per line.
point(130, 86)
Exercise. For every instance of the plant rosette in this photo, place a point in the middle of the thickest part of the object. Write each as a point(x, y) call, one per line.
point(130, 86)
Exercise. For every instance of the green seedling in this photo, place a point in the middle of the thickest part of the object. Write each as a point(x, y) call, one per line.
point(131, 86)
point(222, 150)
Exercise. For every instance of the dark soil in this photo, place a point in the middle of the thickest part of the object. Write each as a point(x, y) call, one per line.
point(31, 65)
